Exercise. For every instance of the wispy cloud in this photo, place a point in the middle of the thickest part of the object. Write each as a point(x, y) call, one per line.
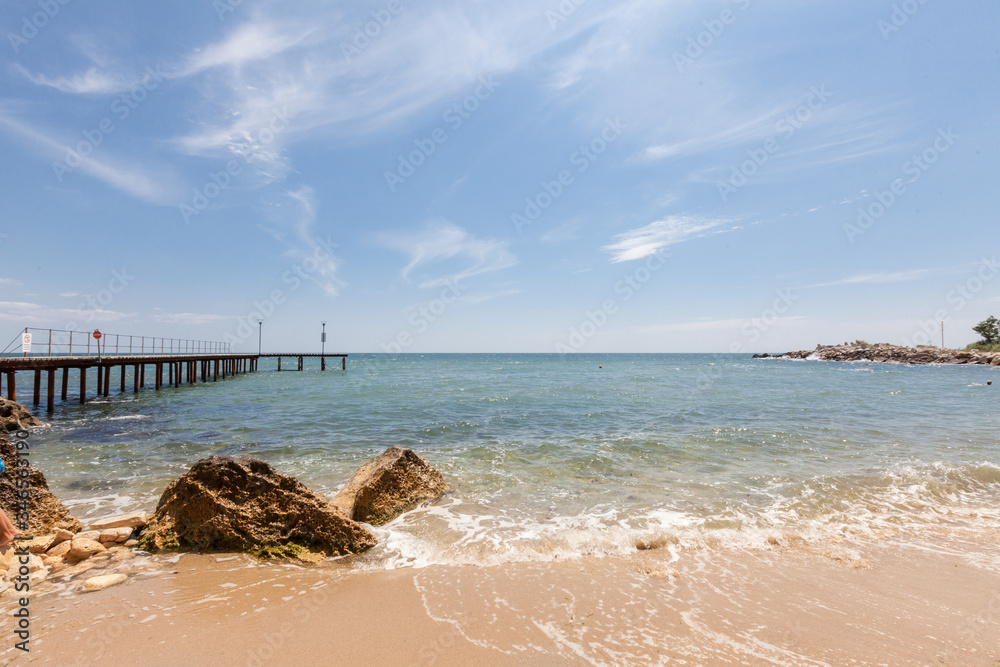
point(33, 313)
point(296, 229)
point(92, 82)
point(645, 241)
point(10, 281)
point(133, 179)
point(441, 241)
point(880, 278)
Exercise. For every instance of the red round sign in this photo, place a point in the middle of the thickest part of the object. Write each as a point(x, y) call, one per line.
point(97, 334)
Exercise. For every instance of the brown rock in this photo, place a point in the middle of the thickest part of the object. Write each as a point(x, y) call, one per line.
point(81, 548)
point(392, 483)
point(88, 535)
point(242, 504)
point(60, 549)
point(15, 417)
point(60, 535)
point(108, 544)
point(116, 534)
point(44, 512)
point(130, 520)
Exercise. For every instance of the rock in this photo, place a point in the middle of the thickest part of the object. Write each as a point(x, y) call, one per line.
point(123, 555)
point(102, 582)
point(35, 564)
point(107, 544)
point(38, 545)
point(116, 534)
point(241, 504)
point(130, 520)
point(60, 535)
point(15, 417)
point(7, 554)
point(131, 543)
point(88, 535)
point(83, 547)
point(78, 568)
point(392, 483)
point(44, 512)
point(60, 549)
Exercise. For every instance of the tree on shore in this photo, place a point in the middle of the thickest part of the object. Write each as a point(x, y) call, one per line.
point(989, 329)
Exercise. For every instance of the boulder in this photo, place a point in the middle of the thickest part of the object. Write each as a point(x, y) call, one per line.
point(60, 549)
point(82, 547)
point(242, 504)
point(392, 483)
point(15, 417)
point(103, 581)
point(130, 520)
point(60, 535)
point(88, 535)
point(44, 512)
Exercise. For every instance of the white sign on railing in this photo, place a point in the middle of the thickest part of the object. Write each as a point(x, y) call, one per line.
point(26, 343)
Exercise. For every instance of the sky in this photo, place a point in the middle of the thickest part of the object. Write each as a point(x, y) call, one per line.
point(543, 176)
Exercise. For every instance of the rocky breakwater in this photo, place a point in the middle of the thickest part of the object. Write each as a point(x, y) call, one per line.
point(242, 504)
point(394, 482)
point(890, 354)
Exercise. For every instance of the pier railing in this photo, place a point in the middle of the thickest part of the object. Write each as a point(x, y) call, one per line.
point(65, 343)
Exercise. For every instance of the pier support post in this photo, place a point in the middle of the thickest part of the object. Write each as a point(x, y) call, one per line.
point(322, 363)
point(50, 390)
point(279, 363)
point(159, 376)
point(65, 383)
point(107, 380)
point(142, 376)
point(121, 389)
point(343, 363)
point(215, 376)
point(135, 379)
point(83, 385)
point(38, 387)
point(11, 389)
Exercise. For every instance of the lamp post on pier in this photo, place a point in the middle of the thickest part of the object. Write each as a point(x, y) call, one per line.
point(323, 339)
point(260, 332)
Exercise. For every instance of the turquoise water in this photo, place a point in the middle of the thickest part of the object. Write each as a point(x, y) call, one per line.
point(555, 456)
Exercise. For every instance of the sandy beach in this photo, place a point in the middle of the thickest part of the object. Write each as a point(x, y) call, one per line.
point(889, 602)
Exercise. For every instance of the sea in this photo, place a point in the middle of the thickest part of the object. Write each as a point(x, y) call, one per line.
point(555, 457)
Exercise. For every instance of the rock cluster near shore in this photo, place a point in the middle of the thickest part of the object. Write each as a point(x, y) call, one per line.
point(891, 354)
point(66, 556)
point(222, 504)
point(242, 504)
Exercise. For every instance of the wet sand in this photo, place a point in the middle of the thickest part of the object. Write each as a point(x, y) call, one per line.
point(891, 602)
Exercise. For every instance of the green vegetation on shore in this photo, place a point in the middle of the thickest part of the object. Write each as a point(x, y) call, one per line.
point(989, 329)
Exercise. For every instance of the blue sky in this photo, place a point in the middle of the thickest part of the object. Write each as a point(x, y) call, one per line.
point(671, 176)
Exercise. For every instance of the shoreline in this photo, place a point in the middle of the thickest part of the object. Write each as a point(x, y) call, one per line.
point(892, 600)
point(893, 354)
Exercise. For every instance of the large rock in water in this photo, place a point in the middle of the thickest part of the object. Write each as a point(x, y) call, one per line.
point(14, 417)
point(242, 504)
point(392, 483)
point(44, 512)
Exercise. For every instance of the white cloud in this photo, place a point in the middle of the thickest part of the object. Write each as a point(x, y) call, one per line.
point(28, 313)
point(648, 240)
point(441, 241)
point(878, 278)
point(312, 255)
point(252, 41)
point(92, 82)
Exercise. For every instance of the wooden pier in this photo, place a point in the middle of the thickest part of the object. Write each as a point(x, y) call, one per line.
point(171, 370)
